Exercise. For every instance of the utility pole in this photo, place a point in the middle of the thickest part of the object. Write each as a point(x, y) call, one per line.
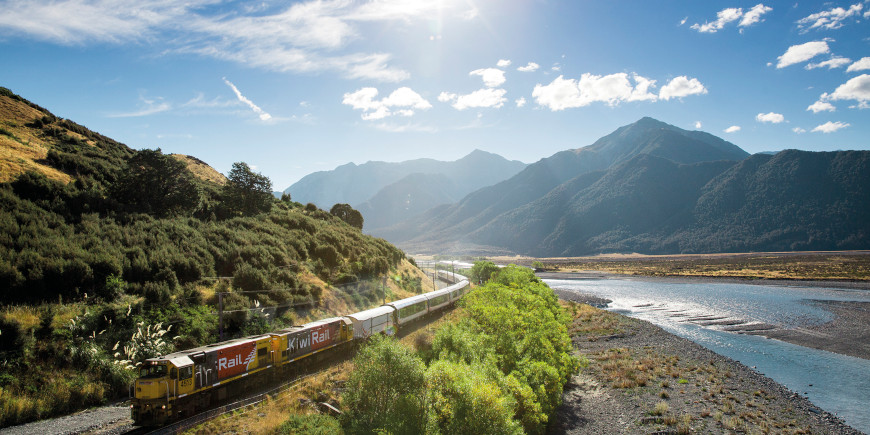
point(221, 315)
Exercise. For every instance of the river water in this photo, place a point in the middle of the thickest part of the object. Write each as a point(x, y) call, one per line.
point(699, 312)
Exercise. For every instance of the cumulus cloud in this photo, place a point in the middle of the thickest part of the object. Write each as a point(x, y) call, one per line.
point(774, 118)
point(680, 87)
point(802, 53)
point(492, 77)
point(400, 102)
point(834, 62)
point(481, 98)
point(697, 124)
point(503, 63)
point(830, 127)
point(729, 15)
point(723, 17)
point(610, 89)
point(683, 21)
point(754, 15)
point(521, 102)
point(732, 129)
point(531, 66)
point(260, 112)
point(833, 18)
point(857, 88)
point(821, 106)
point(859, 65)
point(798, 130)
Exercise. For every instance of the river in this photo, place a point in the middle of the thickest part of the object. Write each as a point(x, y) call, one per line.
point(700, 312)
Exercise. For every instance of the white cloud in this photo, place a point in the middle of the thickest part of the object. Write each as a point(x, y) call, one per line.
point(861, 64)
point(821, 106)
point(802, 53)
point(830, 127)
point(857, 88)
point(834, 62)
point(492, 77)
point(481, 98)
point(611, 89)
point(400, 102)
point(521, 102)
point(79, 22)
point(831, 19)
point(697, 124)
point(531, 66)
point(503, 63)
point(774, 118)
point(723, 17)
point(683, 21)
point(260, 112)
point(732, 129)
point(729, 15)
point(754, 15)
point(303, 37)
point(680, 87)
point(798, 130)
point(148, 106)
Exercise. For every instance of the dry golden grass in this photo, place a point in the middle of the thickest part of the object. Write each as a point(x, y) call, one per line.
point(21, 151)
point(267, 416)
point(847, 265)
point(201, 169)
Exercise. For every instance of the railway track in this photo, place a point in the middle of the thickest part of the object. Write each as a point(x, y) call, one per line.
point(258, 397)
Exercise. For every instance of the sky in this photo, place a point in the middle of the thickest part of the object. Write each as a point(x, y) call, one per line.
point(293, 88)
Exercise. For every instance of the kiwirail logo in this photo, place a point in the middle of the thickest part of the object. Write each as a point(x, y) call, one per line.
point(225, 363)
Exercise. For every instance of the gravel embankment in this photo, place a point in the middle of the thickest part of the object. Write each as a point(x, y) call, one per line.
point(695, 389)
point(108, 419)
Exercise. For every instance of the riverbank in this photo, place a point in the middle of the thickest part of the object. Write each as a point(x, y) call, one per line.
point(847, 334)
point(641, 379)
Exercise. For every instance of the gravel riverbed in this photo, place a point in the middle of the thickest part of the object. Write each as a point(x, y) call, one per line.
point(644, 380)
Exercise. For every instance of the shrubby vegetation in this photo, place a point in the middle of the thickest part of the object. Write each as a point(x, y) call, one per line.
point(124, 263)
point(500, 369)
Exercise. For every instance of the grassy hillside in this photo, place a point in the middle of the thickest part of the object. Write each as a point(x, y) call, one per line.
point(94, 280)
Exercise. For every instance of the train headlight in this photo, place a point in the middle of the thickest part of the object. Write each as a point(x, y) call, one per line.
point(163, 407)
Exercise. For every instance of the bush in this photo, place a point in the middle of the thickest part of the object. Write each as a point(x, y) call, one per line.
point(384, 390)
point(316, 424)
point(460, 399)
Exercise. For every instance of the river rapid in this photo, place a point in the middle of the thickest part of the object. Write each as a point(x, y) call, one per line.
point(704, 312)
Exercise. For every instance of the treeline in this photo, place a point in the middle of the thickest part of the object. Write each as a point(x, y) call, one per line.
point(500, 369)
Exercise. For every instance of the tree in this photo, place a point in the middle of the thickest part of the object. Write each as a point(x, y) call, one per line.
point(158, 184)
point(347, 213)
point(247, 192)
point(482, 271)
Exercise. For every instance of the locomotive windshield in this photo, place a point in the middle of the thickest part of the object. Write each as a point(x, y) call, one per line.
point(152, 371)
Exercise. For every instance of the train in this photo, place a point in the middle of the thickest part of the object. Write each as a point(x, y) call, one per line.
point(183, 383)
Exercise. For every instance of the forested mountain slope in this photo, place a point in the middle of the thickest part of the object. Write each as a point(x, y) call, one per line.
point(653, 188)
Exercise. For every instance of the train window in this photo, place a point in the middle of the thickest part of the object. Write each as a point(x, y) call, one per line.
point(185, 372)
point(152, 371)
point(173, 373)
point(261, 352)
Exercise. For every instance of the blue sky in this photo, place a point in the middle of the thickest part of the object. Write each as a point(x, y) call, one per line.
point(297, 87)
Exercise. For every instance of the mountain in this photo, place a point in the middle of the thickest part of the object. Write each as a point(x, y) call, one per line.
point(355, 184)
point(448, 226)
point(654, 188)
point(407, 198)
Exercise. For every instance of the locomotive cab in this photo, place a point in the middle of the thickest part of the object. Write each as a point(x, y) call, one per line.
point(161, 381)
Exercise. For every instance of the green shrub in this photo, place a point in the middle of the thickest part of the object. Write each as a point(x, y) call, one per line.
point(384, 390)
point(315, 424)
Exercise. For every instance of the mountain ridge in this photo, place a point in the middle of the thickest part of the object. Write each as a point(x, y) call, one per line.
point(650, 187)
